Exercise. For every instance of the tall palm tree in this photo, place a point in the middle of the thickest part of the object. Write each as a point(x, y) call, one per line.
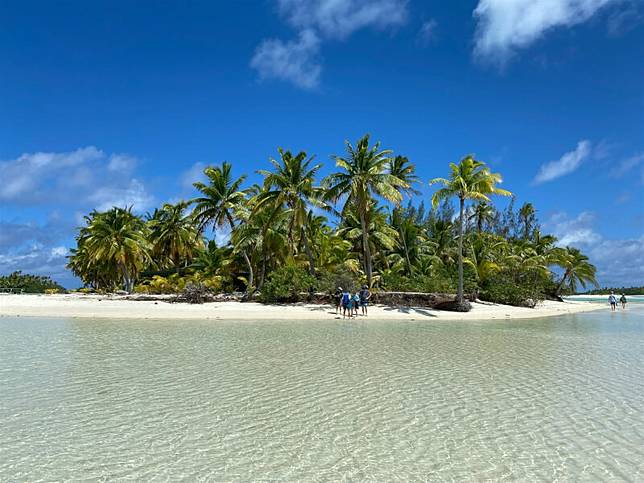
point(365, 174)
point(527, 214)
point(482, 213)
point(469, 180)
point(174, 234)
point(291, 185)
point(119, 237)
point(220, 203)
point(577, 270)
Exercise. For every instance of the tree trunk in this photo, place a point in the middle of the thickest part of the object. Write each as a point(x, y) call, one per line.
point(308, 251)
point(460, 252)
point(365, 248)
point(245, 255)
point(561, 284)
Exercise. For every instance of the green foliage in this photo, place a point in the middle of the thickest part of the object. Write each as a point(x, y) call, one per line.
point(30, 283)
point(281, 244)
point(286, 283)
point(514, 287)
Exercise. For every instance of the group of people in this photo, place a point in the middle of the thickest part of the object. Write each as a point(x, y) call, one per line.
point(349, 303)
point(612, 300)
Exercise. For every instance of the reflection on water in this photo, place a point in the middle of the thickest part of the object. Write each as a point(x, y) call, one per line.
point(538, 399)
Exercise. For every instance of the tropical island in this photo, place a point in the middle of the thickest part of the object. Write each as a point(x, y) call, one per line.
point(298, 238)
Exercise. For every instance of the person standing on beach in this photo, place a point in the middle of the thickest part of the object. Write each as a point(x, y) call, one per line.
point(622, 300)
point(365, 295)
point(346, 303)
point(613, 302)
point(337, 297)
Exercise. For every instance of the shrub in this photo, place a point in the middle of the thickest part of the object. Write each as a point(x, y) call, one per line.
point(52, 291)
point(513, 288)
point(329, 281)
point(286, 283)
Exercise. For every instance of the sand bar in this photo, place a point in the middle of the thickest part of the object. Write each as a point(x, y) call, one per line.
point(115, 307)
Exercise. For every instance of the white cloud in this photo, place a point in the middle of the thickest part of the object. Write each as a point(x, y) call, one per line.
point(573, 231)
point(619, 262)
point(86, 177)
point(295, 61)
point(133, 195)
point(298, 61)
point(192, 175)
point(568, 163)
point(626, 165)
point(427, 32)
point(505, 26)
point(338, 19)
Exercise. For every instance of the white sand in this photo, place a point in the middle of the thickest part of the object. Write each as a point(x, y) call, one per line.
point(95, 306)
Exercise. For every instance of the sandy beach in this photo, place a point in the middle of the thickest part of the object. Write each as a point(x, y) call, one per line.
point(116, 307)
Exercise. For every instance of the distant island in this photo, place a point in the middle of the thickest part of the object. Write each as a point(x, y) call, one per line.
point(620, 290)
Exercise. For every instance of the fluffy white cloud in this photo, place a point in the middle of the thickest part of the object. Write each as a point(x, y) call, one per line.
point(504, 26)
point(573, 231)
point(568, 163)
point(619, 262)
point(86, 177)
point(133, 195)
point(340, 18)
point(296, 61)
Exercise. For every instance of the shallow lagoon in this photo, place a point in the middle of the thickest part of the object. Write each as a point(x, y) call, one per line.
point(535, 399)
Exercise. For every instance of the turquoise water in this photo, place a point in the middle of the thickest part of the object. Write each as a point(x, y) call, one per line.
point(555, 398)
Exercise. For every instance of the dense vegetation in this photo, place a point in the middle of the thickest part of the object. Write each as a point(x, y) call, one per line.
point(624, 290)
point(29, 283)
point(295, 233)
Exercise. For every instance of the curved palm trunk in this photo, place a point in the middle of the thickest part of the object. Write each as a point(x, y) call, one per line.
point(404, 239)
point(365, 247)
point(561, 284)
point(460, 252)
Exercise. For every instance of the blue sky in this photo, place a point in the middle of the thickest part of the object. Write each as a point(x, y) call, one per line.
point(120, 102)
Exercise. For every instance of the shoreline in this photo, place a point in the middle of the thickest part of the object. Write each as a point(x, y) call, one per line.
point(117, 307)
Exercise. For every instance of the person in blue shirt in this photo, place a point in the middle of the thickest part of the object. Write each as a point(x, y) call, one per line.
point(356, 303)
point(346, 304)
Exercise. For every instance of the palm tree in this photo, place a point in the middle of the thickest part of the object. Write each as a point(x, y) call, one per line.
point(483, 213)
point(220, 203)
point(401, 168)
point(577, 270)
point(527, 215)
point(291, 186)
point(119, 237)
point(468, 180)
point(174, 234)
point(364, 175)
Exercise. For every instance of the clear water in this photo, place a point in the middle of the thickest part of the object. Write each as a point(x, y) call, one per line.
point(529, 400)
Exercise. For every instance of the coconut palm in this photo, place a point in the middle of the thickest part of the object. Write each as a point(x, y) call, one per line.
point(527, 214)
point(365, 174)
point(291, 185)
point(174, 234)
point(482, 213)
point(469, 180)
point(577, 270)
point(401, 168)
point(119, 237)
point(220, 203)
